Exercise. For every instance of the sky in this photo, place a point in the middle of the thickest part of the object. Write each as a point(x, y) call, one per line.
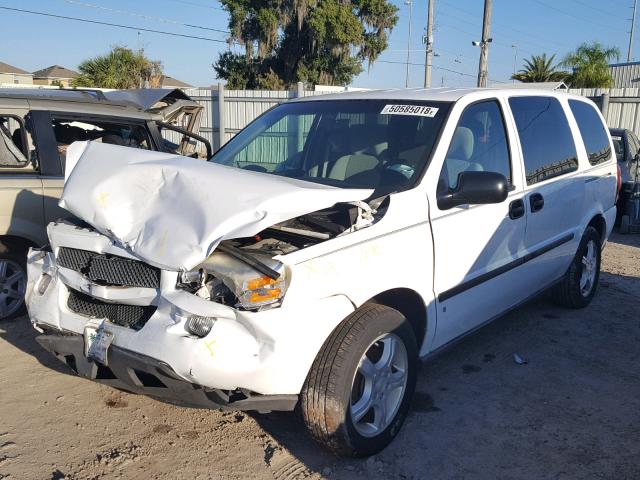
point(520, 28)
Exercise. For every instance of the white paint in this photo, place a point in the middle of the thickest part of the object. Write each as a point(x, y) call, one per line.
point(414, 246)
point(172, 211)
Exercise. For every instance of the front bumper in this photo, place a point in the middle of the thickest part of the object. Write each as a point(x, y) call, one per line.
point(268, 352)
point(137, 373)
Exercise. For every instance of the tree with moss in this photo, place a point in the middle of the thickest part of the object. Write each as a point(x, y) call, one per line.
point(119, 68)
point(589, 65)
point(287, 41)
point(539, 68)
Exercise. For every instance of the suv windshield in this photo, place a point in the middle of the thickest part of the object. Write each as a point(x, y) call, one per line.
point(383, 145)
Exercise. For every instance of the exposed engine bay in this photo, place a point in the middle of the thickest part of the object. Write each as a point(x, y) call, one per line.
point(244, 273)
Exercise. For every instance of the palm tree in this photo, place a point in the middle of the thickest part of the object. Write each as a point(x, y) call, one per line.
point(119, 68)
point(590, 65)
point(539, 69)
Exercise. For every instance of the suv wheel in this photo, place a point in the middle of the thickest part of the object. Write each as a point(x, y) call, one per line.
point(360, 385)
point(13, 284)
point(578, 287)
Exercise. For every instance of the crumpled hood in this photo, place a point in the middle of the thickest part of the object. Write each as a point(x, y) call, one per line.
point(172, 211)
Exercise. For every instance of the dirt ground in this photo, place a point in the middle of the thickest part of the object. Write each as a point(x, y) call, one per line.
point(571, 412)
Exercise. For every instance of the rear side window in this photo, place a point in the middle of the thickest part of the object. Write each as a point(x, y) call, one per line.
point(545, 137)
point(116, 132)
point(593, 132)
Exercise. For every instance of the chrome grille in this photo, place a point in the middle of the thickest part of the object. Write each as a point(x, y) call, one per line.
point(131, 316)
point(108, 269)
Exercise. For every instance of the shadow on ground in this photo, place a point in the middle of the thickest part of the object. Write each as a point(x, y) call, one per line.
point(572, 411)
point(19, 333)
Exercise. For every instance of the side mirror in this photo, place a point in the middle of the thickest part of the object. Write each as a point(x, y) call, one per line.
point(476, 188)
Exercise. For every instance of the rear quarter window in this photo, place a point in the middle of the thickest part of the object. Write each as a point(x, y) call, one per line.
point(547, 143)
point(592, 130)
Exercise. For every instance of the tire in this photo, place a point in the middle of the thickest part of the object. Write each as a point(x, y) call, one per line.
point(625, 224)
point(572, 291)
point(351, 367)
point(13, 282)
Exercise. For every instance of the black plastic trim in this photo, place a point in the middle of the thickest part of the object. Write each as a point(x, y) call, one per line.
point(158, 380)
point(485, 277)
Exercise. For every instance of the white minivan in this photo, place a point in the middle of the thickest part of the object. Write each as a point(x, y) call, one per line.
point(324, 250)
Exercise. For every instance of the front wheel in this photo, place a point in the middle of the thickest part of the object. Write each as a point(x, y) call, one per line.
point(578, 286)
point(359, 388)
point(13, 284)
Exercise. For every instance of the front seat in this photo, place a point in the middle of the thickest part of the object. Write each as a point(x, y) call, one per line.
point(357, 162)
point(459, 156)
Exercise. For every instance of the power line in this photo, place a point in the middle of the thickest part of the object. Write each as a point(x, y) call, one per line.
point(569, 14)
point(599, 10)
point(537, 44)
point(145, 17)
point(128, 27)
point(195, 4)
point(438, 68)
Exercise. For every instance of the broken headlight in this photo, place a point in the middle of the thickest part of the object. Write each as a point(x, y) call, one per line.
point(228, 280)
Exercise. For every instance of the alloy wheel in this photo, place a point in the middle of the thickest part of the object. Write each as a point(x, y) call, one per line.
point(379, 385)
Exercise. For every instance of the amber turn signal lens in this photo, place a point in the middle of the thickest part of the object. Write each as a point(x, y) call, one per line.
point(261, 282)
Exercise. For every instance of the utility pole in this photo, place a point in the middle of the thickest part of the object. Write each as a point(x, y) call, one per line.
point(515, 61)
point(429, 45)
point(633, 26)
point(406, 79)
point(484, 45)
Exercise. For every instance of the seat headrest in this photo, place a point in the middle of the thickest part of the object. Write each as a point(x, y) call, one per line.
point(461, 144)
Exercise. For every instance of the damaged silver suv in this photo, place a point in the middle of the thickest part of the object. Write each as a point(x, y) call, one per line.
point(323, 250)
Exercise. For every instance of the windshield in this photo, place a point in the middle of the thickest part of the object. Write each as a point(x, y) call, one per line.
point(383, 145)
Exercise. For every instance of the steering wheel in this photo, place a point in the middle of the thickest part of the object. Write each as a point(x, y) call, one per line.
point(255, 168)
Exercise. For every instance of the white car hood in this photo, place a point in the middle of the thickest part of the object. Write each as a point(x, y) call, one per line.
point(172, 211)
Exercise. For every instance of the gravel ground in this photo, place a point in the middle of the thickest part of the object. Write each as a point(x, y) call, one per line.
point(571, 412)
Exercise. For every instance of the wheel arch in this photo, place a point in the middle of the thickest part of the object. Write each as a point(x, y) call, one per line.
point(9, 242)
point(600, 224)
point(411, 304)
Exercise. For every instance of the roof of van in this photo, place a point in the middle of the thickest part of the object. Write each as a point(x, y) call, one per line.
point(432, 94)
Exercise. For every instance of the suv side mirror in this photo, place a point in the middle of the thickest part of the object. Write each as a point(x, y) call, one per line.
point(476, 188)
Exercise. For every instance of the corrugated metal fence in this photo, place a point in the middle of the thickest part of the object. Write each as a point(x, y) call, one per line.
point(620, 106)
point(237, 108)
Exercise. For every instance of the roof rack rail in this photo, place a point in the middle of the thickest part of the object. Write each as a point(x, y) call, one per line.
point(99, 93)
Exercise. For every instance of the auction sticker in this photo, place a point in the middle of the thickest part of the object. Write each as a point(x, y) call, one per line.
point(416, 110)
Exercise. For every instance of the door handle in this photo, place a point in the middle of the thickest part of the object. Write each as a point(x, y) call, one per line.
point(516, 209)
point(536, 202)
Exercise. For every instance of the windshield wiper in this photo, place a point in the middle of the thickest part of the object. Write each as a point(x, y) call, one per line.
point(249, 260)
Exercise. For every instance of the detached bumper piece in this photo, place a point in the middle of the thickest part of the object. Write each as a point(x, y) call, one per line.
point(140, 374)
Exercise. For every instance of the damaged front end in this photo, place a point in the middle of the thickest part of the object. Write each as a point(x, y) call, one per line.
point(188, 307)
point(246, 273)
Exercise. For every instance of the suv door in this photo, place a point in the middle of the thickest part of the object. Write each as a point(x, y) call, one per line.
point(478, 247)
point(554, 192)
point(20, 186)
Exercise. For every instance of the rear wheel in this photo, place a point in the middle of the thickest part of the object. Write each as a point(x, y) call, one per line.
point(359, 389)
point(578, 287)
